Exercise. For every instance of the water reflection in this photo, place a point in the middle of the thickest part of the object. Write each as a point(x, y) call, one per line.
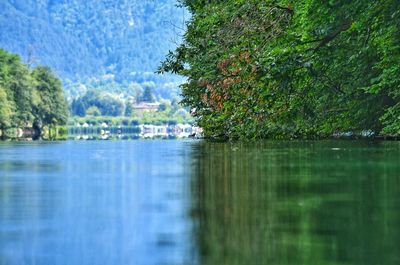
point(192, 202)
point(297, 203)
point(95, 203)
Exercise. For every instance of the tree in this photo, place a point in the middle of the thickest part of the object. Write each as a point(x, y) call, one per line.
point(6, 109)
point(29, 99)
point(53, 108)
point(148, 95)
point(129, 108)
point(78, 107)
point(108, 104)
point(269, 69)
point(93, 111)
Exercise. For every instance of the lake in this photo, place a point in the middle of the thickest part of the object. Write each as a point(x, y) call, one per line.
point(192, 202)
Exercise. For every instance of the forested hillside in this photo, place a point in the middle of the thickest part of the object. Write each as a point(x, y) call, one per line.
point(93, 41)
point(290, 69)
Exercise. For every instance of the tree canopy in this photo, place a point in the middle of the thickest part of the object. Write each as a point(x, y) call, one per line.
point(29, 98)
point(290, 69)
point(105, 104)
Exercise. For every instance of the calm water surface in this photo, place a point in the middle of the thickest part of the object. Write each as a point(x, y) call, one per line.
point(192, 202)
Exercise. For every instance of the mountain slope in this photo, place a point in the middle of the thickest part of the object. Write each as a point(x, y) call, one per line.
point(27, 32)
point(92, 38)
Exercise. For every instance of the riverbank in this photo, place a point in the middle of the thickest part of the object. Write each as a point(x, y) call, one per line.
point(302, 71)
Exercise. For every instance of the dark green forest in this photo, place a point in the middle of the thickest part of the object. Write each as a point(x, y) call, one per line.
point(291, 69)
point(29, 98)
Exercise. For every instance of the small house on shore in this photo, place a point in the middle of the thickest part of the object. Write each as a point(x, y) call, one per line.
point(145, 107)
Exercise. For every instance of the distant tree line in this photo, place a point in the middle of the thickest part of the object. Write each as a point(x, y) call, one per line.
point(161, 87)
point(97, 105)
point(291, 69)
point(100, 103)
point(29, 98)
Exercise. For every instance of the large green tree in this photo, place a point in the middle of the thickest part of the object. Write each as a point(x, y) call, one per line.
point(5, 109)
point(288, 69)
point(53, 108)
point(17, 83)
point(29, 98)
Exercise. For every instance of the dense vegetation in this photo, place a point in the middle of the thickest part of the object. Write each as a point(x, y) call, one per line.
point(29, 98)
point(170, 115)
point(290, 69)
point(97, 106)
point(112, 103)
point(97, 44)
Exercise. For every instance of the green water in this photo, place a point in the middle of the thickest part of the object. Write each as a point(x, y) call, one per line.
point(198, 203)
point(298, 203)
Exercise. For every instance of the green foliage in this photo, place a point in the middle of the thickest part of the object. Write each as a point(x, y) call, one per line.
point(167, 116)
point(129, 108)
point(148, 95)
point(168, 113)
point(155, 118)
point(5, 109)
point(93, 111)
point(105, 103)
point(52, 107)
point(100, 103)
point(291, 69)
point(28, 98)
